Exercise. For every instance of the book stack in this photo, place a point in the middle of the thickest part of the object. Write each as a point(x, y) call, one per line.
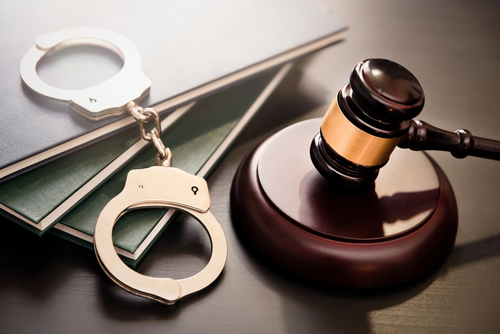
point(212, 64)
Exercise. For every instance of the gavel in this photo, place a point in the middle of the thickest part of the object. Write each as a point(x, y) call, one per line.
point(314, 209)
point(371, 116)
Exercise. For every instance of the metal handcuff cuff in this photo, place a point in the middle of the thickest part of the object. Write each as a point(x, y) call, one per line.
point(161, 186)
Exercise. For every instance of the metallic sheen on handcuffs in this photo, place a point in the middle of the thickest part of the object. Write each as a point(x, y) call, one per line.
point(156, 187)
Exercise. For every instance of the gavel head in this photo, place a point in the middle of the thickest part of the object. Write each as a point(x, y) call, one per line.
point(365, 123)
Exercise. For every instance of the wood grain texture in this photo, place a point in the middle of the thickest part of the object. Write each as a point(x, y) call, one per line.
point(48, 285)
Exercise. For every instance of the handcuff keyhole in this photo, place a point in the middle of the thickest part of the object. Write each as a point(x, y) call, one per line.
point(194, 189)
point(141, 186)
point(92, 100)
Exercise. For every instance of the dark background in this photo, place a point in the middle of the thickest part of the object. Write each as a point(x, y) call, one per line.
point(453, 47)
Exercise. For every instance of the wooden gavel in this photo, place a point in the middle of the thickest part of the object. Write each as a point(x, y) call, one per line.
point(371, 115)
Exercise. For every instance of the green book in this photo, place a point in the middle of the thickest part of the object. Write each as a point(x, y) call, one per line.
point(36, 200)
point(198, 136)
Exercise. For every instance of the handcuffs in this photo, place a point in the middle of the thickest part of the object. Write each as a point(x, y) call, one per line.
point(161, 186)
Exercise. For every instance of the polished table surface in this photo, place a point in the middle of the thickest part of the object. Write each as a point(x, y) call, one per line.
point(48, 285)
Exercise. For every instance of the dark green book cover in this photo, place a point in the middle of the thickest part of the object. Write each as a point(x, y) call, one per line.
point(36, 200)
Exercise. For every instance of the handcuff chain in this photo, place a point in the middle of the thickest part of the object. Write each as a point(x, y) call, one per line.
point(143, 116)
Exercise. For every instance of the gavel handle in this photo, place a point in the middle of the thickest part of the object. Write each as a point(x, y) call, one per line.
point(461, 143)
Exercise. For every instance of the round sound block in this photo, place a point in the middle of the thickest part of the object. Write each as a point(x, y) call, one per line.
point(396, 230)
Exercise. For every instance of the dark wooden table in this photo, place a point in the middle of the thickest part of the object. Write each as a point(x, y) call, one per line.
point(453, 47)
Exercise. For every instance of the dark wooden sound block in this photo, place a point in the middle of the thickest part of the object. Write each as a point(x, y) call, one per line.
point(401, 227)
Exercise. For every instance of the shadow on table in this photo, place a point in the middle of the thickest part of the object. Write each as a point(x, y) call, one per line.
point(315, 308)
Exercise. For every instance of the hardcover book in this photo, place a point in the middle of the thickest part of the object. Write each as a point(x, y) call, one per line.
point(189, 49)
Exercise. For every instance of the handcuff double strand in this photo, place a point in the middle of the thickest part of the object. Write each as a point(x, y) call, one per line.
point(161, 186)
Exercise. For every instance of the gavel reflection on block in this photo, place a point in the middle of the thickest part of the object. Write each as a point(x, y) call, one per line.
point(327, 211)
